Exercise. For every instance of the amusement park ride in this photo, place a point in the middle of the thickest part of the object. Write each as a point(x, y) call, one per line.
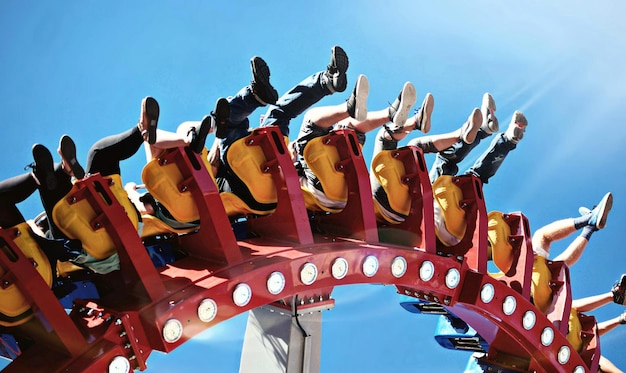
point(172, 285)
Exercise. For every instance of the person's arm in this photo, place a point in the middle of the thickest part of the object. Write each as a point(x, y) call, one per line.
point(134, 197)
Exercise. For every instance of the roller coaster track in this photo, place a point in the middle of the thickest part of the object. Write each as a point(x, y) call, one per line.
point(285, 257)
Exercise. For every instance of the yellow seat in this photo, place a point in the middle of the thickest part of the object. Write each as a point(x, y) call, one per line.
point(14, 307)
point(500, 250)
point(153, 226)
point(541, 290)
point(162, 182)
point(321, 160)
point(247, 162)
point(74, 220)
point(447, 196)
point(575, 328)
point(389, 171)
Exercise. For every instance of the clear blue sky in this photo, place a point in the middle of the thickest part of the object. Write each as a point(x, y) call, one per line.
point(82, 68)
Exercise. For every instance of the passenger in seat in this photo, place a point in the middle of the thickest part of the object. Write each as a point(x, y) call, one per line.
point(387, 138)
point(281, 111)
point(105, 157)
point(15, 190)
point(352, 114)
point(616, 295)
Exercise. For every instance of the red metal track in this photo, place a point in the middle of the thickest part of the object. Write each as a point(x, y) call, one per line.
point(126, 324)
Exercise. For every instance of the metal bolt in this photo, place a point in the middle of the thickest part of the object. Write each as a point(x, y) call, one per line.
point(118, 322)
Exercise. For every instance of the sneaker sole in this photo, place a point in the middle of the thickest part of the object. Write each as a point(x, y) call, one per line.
point(200, 139)
point(407, 100)
point(151, 108)
point(488, 107)
point(475, 121)
point(44, 166)
point(68, 150)
point(361, 92)
point(339, 59)
point(488, 103)
point(260, 71)
point(221, 116)
point(427, 107)
point(261, 77)
point(607, 204)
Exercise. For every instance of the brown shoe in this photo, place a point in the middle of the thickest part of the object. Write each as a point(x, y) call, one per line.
point(67, 150)
point(149, 119)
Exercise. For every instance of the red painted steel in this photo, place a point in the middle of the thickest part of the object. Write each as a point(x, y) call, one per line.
point(128, 321)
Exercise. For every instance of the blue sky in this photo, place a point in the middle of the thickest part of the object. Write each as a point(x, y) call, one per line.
point(82, 68)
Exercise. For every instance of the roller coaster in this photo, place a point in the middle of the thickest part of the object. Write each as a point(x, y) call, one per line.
point(171, 286)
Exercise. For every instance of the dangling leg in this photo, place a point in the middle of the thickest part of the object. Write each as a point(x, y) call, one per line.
point(543, 238)
point(105, 155)
point(447, 160)
point(396, 113)
point(438, 143)
point(308, 92)
point(491, 160)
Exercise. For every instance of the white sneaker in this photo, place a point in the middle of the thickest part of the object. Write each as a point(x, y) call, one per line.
point(399, 110)
point(488, 108)
point(357, 103)
point(471, 127)
point(422, 117)
point(517, 127)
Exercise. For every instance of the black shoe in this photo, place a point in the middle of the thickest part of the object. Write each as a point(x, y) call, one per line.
point(200, 133)
point(68, 151)
point(44, 167)
point(150, 113)
point(261, 87)
point(336, 70)
point(220, 115)
point(619, 290)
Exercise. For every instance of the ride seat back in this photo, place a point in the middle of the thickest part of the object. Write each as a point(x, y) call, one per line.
point(338, 163)
point(153, 226)
point(247, 159)
point(509, 248)
point(450, 218)
point(460, 219)
point(551, 291)
point(77, 219)
point(583, 337)
point(389, 171)
point(322, 158)
point(164, 181)
point(15, 309)
point(403, 198)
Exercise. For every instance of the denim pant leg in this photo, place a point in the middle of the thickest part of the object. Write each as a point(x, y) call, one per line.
point(241, 106)
point(489, 162)
point(447, 161)
point(296, 101)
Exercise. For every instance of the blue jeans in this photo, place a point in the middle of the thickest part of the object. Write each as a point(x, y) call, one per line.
point(289, 105)
point(293, 103)
point(446, 162)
